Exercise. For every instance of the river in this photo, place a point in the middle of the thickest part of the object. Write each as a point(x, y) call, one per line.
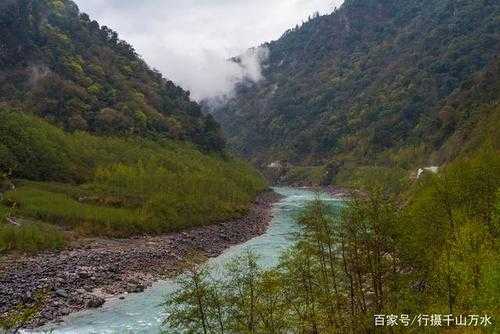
point(140, 313)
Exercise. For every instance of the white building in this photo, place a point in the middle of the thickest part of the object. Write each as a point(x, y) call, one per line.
point(431, 169)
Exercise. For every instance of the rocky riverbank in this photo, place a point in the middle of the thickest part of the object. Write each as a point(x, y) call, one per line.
point(85, 275)
point(338, 192)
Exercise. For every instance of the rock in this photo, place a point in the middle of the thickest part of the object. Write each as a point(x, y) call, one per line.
point(95, 301)
point(135, 288)
point(61, 293)
point(74, 275)
point(28, 297)
point(84, 274)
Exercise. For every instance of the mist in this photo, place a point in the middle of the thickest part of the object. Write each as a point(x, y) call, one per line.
point(209, 74)
point(191, 41)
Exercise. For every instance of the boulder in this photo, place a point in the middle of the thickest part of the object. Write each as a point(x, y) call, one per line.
point(95, 301)
point(135, 288)
point(61, 293)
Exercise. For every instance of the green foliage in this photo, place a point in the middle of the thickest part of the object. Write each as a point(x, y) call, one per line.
point(389, 180)
point(196, 305)
point(4, 211)
point(64, 67)
point(241, 296)
point(14, 320)
point(35, 151)
point(119, 187)
point(31, 238)
point(432, 250)
point(496, 216)
point(375, 82)
point(62, 210)
point(206, 304)
point(461, 263)
point(305, 175)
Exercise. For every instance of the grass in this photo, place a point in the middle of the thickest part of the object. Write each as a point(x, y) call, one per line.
point(30, 238)
point(115, 187)
point(161, 202)
point(63, 210)
point(175, 203)
point(163, 194)
point(3, 213)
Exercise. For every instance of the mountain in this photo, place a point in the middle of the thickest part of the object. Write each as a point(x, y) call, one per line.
point(95, 143)
point(377, 82)
point(57, 63)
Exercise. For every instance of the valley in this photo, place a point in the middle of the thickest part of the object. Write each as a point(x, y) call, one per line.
point(341, 178)
point(141, 313)
point(94, 270)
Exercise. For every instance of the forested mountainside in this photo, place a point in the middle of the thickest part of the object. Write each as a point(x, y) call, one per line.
point(397, 82)
point(94, 143)
point(59, 64)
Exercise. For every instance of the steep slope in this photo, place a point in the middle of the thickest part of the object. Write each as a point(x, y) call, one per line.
point(372, 83)
point(94, 143)
point(60, 65)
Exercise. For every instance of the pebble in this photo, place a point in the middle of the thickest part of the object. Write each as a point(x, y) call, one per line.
point(95, 301)
point(116, 267)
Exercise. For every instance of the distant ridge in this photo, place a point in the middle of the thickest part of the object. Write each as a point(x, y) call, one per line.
point(396, 82)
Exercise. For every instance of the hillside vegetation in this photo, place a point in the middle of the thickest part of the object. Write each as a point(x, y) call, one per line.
point(390, 83)
point(59, 64)
point(431, 251)
point(116, 187)
point(95, 143)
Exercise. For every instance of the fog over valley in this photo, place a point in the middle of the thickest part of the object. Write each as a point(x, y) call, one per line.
point(190, 41)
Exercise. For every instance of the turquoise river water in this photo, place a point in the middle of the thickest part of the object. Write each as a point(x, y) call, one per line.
point(141, 314)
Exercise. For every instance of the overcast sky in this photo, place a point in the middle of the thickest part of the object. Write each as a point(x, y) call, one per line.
point(189, 40)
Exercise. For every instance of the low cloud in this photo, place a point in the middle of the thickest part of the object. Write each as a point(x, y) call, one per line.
point(190, 41)
point(251, 63)
point(208, 74)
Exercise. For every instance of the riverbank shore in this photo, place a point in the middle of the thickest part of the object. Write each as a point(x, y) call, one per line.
point(338, 192)
point(85, 275)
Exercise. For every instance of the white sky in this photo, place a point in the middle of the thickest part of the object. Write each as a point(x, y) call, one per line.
point(189, 40)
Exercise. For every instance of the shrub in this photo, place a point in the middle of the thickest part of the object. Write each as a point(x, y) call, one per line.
point(3, 213)
point(119, 187)
point(63, 210)
point(30, 238)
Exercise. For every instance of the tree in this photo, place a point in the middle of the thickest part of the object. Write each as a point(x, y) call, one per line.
point(187, 307)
